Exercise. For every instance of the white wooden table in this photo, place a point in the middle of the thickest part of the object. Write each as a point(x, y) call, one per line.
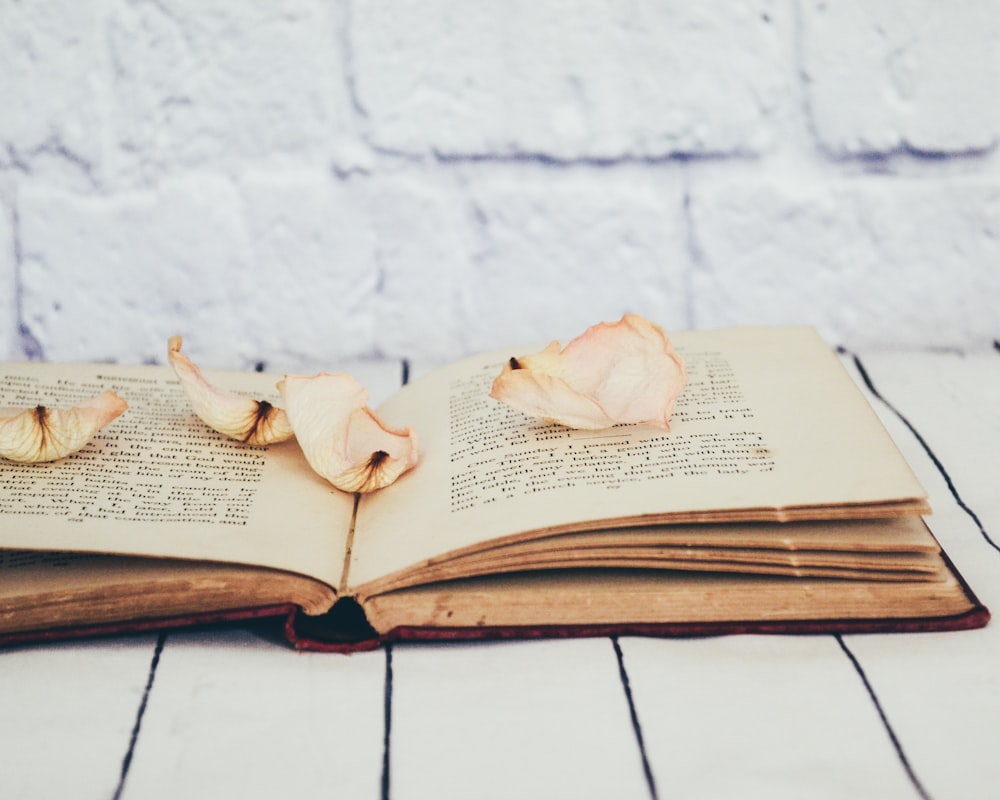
point(230, 713)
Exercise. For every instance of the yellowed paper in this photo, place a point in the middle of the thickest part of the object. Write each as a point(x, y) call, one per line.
point(158, 482)
point(770, 425)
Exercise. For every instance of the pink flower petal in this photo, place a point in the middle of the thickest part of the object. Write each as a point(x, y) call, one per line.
point(39, 434)
point(341, 437)
point(238, 417)
point(614, 373)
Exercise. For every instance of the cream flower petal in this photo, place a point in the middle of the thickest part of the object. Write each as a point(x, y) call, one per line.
point(238, 417)
point(622, 372)
point(38, 434)
point(341, 437)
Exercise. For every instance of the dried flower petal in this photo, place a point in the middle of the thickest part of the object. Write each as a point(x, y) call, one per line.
point(622, 372)
point(341, 437)
point(238, 417)
point(38, 434)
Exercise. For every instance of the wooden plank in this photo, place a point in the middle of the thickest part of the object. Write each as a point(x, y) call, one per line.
point(516, 719)
point(940, 691)
point(951, 401)
point(233, 715)
point(846, 741)
point(759, 716)
point(941, 410)
point(68, 712)
point(519, 719)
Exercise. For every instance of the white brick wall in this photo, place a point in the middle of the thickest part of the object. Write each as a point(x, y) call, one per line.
point(9, 340)
point(306, 182)
point(885, 76)
point(597, 80)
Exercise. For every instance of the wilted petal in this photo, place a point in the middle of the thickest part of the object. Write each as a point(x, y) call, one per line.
point(39, 434)
point(238, 417)
point(341, 437)
point(622, 372)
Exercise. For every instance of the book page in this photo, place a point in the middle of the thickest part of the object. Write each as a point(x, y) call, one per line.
point(158, 482)
point(769, 421)
point(898, 548)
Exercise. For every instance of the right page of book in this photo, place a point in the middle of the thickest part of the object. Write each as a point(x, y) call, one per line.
point(769, 422)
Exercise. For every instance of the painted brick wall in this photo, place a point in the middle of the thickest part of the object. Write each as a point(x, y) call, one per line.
point(310, 181)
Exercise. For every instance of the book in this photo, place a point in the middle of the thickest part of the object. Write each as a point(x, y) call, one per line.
point(777, 502)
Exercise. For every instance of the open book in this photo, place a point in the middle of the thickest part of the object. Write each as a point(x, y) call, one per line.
point(776, 502)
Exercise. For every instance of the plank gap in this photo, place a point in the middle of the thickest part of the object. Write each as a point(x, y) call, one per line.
point(387, 736)
point(926, 447)
point(897, 745)
point(636, 726)
point(140, 713)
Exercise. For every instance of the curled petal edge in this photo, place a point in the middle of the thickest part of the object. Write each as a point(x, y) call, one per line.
point(343, 440)
point(250, 421)
point(625, 372)
point(40, 434)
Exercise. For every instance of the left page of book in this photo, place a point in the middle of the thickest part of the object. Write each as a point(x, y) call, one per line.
point(158, 482)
